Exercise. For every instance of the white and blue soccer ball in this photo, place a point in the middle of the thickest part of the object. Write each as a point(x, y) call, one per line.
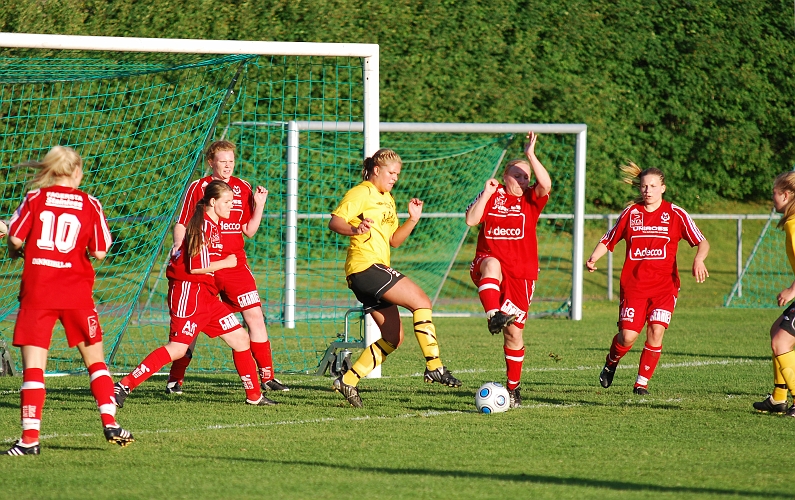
point(492, 398)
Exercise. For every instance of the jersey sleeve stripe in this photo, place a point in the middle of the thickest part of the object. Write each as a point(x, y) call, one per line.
point(106, 239)
point(610, 235)
point(185, 213)
point(694, 236)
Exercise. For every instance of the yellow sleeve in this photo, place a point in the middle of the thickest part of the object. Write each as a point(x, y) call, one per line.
point(350, 208)
point(789, 231)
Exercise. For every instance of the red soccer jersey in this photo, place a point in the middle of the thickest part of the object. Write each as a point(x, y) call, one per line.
point(508, 231)
point(180, 265)
point(231, 228)
point(652, 241)
point(59, 225)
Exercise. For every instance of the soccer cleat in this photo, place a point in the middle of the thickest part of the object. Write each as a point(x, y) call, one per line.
point(174, 388)
point(120, 393)
point(516, 397)
point(118, 435)
point(442, 376)
point(640, 391)
point(350, 392)
point(499, 321)
point(19, 449)
point(769, 406)
point(274, 384)
point(606, 376)
point(262, 401)
point(791, 411)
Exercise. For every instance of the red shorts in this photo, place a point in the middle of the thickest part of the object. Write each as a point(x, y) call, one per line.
point(634, 312)
point(237, 288)
point(193, 309)
point(34, 326)
point(516, 294)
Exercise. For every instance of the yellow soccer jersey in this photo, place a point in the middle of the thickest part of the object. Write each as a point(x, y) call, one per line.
point(789, 231)
point(366, 202)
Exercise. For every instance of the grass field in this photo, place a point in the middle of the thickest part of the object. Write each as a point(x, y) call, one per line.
point(695, 436)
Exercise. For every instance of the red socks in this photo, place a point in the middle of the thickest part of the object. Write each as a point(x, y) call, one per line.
point(247, 370)
point(513, 366)
point(648, 363)
point(617, 352)
point(489, 293)
point(31, 398)
point(178, 367)
point(264, 358)
point(156, 360)
point(102, 389)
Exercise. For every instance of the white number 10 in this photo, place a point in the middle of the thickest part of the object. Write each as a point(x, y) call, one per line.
point(66, 229)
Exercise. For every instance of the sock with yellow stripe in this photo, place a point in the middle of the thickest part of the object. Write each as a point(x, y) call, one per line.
point(426, 336)
point(786, 363)
point(372, 356)
point(780, 385)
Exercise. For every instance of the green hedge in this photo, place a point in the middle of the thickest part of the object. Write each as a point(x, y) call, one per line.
point(702, 89)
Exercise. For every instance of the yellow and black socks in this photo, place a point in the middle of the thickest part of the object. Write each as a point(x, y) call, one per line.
point(426, 336)
point(780, 385)
point(786, 363)
point(372, 356)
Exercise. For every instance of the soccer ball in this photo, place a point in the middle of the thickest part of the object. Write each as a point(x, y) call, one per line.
point(492, 398)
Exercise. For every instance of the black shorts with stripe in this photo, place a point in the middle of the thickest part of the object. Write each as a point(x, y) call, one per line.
point(371, 284)
point(788, 319)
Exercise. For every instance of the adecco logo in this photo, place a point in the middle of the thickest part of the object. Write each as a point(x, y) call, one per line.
point(499, 231)
point(230, 226)
point(648, 253)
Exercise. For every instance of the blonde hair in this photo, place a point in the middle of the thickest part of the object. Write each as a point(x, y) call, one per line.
point(633, 175)
point(512, 163)
point(216, 147)
point(60, 161)
point(380, 159)
point(786, 183)
point(194, 231)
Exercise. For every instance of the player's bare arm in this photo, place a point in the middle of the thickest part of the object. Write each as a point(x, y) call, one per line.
point(227, 263)
point(14, 247)
point(98, 255)
point(699, 269)
point(786, 295)
point(597, 254)
point(179, 236)
point(341, 226)
point(260, 197)
point(543, 181)
point(475, 212)
point(403, 232)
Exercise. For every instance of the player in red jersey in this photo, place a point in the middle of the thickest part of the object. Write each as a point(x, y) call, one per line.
point(652, 228)
point(506, 258)
point(59, 227)
point(237, 286)
point(192, 301)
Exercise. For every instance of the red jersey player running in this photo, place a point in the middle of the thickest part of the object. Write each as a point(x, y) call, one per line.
point(506, 258)
point(236, 284)
point(192, 301)
point(60, 226)
point(652, 228)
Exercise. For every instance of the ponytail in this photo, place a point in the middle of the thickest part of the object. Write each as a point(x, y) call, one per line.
point(379, 159)
point(194, 231)
point(633, 176)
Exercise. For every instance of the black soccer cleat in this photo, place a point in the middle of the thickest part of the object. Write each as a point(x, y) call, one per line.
point(19, 449)
point(640, 391)
point(791, 411)
point(174, 388)
point(262, 401)
point(606, 376)
point(442, 376)
point(120, 393)
point(118, 435)
point(515, 397)
point(350, 392)
point(274, 384)
point(769, 406)
point(499, 321)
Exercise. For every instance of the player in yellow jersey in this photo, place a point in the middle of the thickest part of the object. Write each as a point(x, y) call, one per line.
point(782, 333)
point(368, 215)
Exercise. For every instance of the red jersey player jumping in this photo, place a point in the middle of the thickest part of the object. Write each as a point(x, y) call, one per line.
point(506, 258)
point(192, 302)
point(236, 285)
point(60, 226)
point(652, 228)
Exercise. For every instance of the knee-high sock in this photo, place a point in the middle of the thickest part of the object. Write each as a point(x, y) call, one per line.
point(247, 369)
point(513, 366)
point(179, 366)
point(786, 364)
point(156, 360)
point(617, 352)
point(779, 384)
point(102, 389)
point(264, 357)
point(489, 294)
point(648, 363)
point(372, 356)
point(31, 398)
point(426, 336)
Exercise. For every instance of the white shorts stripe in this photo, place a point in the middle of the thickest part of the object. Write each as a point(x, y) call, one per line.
point(99, 373)
point(32, 385)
